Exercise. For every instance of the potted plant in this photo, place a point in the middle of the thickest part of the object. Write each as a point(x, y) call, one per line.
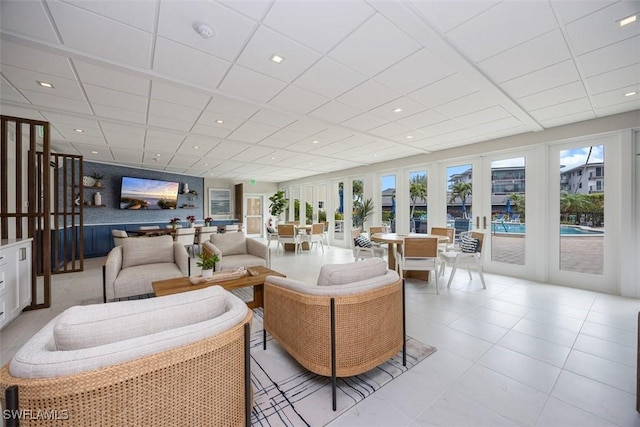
point(98, 177)
point(192, 220)
point(207, 221)
point(207, 262)
point(278, 204)
point(174, 222)
point(361, 212)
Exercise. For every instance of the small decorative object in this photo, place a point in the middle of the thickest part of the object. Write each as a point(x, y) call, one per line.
point(220, 276)
point(191, 219)
point(207, 262)
point(174, 222)
point(98, 179)
point(193, 192)
point(207, 221)
point(97, 199)
point(185, 189)
point(88, 181)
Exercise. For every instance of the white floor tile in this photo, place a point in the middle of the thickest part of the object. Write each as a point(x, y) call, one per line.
point(608, 333)
point(602, 370)
point(479, 329)
point(543, 350)
point(560, 414)
point(607, 350)
point(546, 332)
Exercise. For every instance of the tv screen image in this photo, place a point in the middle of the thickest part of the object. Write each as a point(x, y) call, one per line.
point(148, 194)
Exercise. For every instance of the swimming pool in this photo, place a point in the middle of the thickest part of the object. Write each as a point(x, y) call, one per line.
point(499, 227)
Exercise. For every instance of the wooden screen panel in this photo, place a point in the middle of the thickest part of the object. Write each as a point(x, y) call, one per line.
point(15, 152)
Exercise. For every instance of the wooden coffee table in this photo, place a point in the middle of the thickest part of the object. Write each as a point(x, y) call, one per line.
point(182, 284)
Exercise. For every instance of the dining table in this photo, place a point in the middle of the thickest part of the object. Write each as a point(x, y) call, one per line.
point(151, 232)
point(393, 239)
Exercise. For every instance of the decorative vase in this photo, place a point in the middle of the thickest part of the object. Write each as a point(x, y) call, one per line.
point(97, 199)
point(207, 273)
point(174, 226)
point(185, 189)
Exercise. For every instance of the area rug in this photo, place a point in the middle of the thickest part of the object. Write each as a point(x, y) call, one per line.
point(286, 394)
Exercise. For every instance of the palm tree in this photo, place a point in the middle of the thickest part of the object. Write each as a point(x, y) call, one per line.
point(574, 203)
point(417, 191)
point(517, 202)
point(460, 191)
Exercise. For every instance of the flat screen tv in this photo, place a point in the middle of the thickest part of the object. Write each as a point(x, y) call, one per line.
point(148, 194)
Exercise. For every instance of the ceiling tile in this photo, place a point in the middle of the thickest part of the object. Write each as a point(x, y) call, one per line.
point(580, 116)
point(329, 78)
point(308, 22)
point(114, 98)
point(252, 154)
point(297, 100)
point(119, 113)
point(10, 110)
point(252, 132)
point(368, 95)
point(214, 131)
point(34, 59)
point(265, 43)
point(9, 93)
point(288, 135)
point(138, 13)
point(373, 47)
point(559, 110)
point(25, 79)
point(448, 15)
point(101, 36)
point(601, 28)
point(224, 107)
point(179, 95)
point(535, 54)
point(407, 105)
point(538, 81)
point(618, 108)
point(571, 10)
point(442, 91)
point(467, 104)
point(52, 101)
point(164, 61)
point(178, 112)
point(390, 129)
point(275, 143)
point(331, 134)
point(272, 118)
point(441, 128)
point(250, 85)
point(483, 116)
point(124, 140)
point(418, 70)
point(107, 78)
point(615, 97)
point(497, 125)
point(615, 79)
point(169, 123)
point(178, 19)
point(423, 119)
point(501, 27)
point(618, 55)
point(254, 9)
point(553, 96)
point(335, 112)
point(365, 122)
point(27, 17)
point(307, 126)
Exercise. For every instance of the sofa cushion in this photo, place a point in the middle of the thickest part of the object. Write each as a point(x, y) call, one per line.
point(237, 261)
point(342, 274)
point(147, 250)
point(137, 280)
point(230, 243)
point(94, 325)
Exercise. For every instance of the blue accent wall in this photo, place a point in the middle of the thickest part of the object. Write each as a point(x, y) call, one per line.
point(110, 192)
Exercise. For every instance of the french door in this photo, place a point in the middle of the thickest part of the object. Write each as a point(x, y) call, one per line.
point(254, 215)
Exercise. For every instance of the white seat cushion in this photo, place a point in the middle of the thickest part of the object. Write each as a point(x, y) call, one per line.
point(137, 280)
point(230, 243)
point(341, 274)
point(147, 250)
point(236, 261)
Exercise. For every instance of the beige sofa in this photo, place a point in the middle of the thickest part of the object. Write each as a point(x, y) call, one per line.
point(175, 360)
point(132, 267)
point(351, 321)
point(236, 250)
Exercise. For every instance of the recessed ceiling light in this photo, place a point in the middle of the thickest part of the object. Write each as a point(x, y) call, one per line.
point(195, 147)
point(629, 20)
point(630, 93)
point(45, 84)
point(220, 121)
point(375, 155)
point(273, 158)
point(397, 110)
point(158, 155)
point(94, 152)
point(409, 136)
point(206, 164)
point(276, 58)
point(314, 142)
point(79, 130)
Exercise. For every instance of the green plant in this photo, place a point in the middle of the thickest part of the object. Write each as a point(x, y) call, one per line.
point(207, 260)
point(97, 176)
point(361, 212)
point(278, 203)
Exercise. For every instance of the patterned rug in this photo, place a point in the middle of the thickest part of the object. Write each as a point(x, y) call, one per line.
point(286, 394)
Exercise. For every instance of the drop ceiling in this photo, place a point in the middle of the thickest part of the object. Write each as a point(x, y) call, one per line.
point(361, 82)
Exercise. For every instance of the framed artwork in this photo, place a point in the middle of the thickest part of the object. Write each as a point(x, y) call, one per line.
point(219, 202)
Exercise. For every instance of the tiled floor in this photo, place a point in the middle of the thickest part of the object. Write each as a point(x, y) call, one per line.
point(516, 354)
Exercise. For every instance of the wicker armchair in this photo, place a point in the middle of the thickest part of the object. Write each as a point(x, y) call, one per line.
point(351, 322)
point(196, 374)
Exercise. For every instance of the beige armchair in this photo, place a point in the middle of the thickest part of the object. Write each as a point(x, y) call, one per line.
point(236, 250)
point(351, 321)
point(176, 360)
point(131, 268)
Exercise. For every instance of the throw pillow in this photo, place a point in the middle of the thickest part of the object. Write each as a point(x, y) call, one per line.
point(362, 241)
point(271, 230)
point(468, 244)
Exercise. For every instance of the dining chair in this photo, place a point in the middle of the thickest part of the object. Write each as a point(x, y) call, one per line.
point(419, 254)
point(469, 255)
point(272, 233)
point(232, 228)
point(445, 231)
point(363, 248)
point(186, 236)
point(119, 236)
point(203, 234)
point(287, 234)
point(315, 235)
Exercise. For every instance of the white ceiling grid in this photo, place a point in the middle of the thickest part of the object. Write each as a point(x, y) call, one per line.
point(361, 82)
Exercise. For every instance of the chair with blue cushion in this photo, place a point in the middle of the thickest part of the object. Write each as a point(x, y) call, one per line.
point(469, 255)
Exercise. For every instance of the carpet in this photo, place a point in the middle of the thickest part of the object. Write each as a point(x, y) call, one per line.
point(286, 394)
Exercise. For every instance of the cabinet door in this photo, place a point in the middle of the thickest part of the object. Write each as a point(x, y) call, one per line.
point(11, 298)
point(24, 275)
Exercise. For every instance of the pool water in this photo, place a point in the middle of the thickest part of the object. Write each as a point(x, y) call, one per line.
point(499, 227)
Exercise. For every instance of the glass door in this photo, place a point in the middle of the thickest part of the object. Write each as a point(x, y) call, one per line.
point(254, 215)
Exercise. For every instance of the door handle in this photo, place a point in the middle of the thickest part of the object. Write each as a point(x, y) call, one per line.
point(484, 222)
point(477, 222)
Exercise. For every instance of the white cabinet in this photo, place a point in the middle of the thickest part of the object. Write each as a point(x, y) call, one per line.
point(15, 278)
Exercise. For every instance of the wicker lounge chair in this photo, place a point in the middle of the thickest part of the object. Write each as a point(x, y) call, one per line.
point(190, 367)
point(349, 323)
